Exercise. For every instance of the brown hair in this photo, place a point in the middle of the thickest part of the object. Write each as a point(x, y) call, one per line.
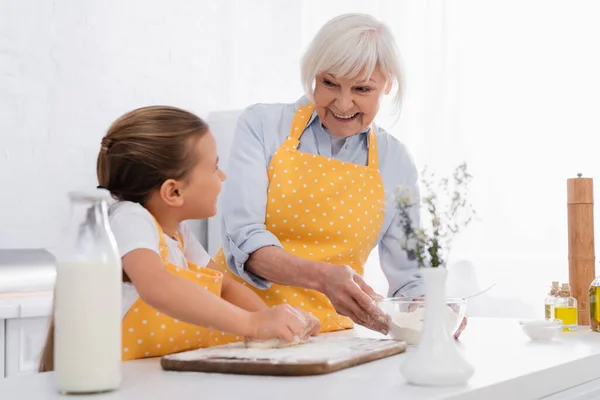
point(140, 151)
point(144, 148)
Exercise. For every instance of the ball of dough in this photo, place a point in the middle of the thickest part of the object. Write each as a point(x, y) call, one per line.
point(275, 343)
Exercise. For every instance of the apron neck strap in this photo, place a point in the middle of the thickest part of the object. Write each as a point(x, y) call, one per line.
point(300, 121)
point(162, 242)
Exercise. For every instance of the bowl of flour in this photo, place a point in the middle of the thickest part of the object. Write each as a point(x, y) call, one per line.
point(406, 316)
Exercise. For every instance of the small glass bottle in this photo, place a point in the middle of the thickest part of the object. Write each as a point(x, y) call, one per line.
point(550, 300)
point(594, 295)
point(87, 300)
point(565, 308)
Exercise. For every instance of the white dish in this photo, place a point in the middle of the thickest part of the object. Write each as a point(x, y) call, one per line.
point(541, 329)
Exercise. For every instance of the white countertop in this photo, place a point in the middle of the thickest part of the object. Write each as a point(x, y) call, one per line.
point(507, 366)
point(26, 271)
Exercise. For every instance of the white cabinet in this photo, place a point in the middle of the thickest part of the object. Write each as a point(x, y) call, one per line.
point(2, 346)
point(23, 328)
point(24, 340)
point(27, 279)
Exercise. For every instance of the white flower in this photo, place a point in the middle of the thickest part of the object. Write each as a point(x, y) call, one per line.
point(404, 196)
point(445, 204)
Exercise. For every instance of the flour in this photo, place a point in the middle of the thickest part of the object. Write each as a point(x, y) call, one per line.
point(316, 349)
point(407, 326)
point(274, 343)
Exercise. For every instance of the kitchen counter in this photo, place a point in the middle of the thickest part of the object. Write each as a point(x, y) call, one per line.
point(26, 271)
point(507, 366)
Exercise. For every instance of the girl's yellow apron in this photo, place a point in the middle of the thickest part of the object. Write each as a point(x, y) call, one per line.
point(149, 333)
point(320, 209)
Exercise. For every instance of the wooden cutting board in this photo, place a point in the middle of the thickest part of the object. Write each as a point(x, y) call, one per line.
point(320, 355)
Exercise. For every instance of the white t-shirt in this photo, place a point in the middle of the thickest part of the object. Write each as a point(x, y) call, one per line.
point(134, 228)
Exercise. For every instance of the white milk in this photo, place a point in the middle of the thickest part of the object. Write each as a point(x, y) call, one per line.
point(87, 347)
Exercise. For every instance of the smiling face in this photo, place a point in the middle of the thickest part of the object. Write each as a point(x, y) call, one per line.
point(347, 106)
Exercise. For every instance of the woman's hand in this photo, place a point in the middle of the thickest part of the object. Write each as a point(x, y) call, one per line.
point(461, 328)
point(353, 298)
point(348, 292)
point(453, 307)
point(282, 321)
point(463, 323)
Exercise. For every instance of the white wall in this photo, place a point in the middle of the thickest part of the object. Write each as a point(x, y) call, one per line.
point(69, 68)
point(510, 86)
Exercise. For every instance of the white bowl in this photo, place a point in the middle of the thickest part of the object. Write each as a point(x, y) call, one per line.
point(541, 329)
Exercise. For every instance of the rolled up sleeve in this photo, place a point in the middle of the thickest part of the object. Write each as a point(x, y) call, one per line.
point(402, 274)
point(244, 198)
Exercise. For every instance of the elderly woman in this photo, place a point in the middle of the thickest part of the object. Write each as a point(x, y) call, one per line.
point(307, 197)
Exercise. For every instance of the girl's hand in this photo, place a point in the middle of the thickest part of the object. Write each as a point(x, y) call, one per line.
point(282, 321)
point(313, 325)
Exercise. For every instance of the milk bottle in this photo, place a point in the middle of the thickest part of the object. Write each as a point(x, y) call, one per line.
point(87, 308)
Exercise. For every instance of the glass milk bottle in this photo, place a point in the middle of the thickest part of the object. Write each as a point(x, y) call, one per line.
point(87, 305)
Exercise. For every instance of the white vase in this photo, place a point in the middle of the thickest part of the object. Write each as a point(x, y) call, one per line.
point(437, 361)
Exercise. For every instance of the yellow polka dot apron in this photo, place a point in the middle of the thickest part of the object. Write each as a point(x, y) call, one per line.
point(147, 332)
point(320, 209)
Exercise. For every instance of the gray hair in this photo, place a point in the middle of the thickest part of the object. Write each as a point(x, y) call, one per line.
point(351, 44)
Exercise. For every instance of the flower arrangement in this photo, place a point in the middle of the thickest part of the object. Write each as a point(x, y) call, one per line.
point(444, 209)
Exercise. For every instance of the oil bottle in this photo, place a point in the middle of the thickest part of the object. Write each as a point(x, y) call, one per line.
point(550, 300)
point(565, 308)
point(594, 294)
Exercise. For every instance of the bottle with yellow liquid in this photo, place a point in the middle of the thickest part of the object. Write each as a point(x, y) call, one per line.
point(594, 294)
point(565, 308)
point(550, 300)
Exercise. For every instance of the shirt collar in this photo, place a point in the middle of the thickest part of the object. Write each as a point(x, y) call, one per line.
point(314, 118)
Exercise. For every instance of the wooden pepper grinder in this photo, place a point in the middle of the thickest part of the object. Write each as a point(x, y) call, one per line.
point(580, 205)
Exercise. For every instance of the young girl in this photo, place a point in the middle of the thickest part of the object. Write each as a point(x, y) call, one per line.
point(161, 164)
